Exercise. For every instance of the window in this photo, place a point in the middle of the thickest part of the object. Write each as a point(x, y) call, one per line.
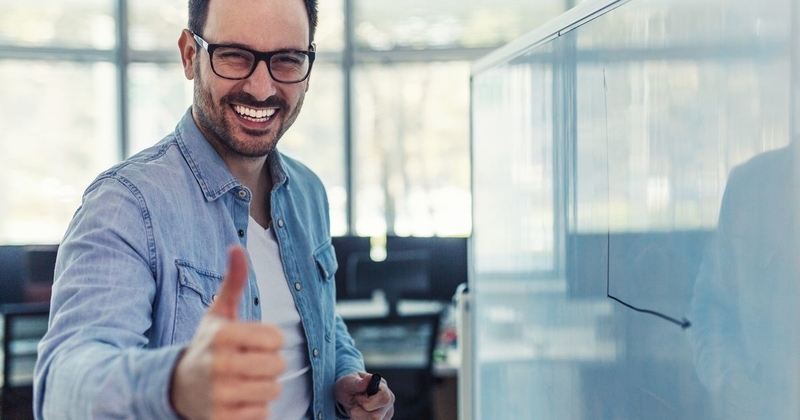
point(95, 81)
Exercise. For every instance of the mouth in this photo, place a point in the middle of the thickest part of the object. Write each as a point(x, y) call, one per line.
point(254, 114)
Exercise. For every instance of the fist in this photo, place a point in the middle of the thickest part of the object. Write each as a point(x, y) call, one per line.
point(230, 369)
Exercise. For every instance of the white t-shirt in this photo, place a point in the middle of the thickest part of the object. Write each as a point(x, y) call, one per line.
point(278, 308)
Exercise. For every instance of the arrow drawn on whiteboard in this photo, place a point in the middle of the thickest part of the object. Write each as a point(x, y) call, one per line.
point(683, 323)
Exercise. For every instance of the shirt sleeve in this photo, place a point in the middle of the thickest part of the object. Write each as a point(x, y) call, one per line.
point(94, 360)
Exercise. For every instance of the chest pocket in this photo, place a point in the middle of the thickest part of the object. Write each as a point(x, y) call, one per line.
point(325, 259)
point(196, 289)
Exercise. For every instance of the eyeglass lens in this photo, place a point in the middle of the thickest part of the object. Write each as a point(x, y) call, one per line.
point(237, 63)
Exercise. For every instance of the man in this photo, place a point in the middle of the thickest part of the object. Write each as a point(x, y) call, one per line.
point(143, 322)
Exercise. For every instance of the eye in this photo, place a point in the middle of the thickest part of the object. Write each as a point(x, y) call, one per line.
point(289, 59)
point(233, 56)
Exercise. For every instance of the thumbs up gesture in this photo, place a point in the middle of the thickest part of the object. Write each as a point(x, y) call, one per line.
point(230, 369)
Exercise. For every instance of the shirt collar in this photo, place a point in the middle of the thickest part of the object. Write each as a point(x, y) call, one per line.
point(208, 168)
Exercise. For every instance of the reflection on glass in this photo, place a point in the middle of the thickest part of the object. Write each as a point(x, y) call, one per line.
point(672, 290)
point(412, 149)
point(745, 303)
point(57, 132)
point(55, 23)
point(156, 24)
point(386, 25)
point(683, 23)
point(513, 111)
point(662, 162)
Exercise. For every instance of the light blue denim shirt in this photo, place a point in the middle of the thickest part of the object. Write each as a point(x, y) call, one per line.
point(139, 265)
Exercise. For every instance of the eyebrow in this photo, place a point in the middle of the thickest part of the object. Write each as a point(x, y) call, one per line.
point(248, 47)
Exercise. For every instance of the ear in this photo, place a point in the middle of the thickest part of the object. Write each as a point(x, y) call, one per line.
point(188, 48)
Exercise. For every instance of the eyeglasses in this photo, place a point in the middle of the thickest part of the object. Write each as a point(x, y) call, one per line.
point(237, 63)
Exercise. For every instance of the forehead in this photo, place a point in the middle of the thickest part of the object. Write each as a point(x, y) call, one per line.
point(260, 24)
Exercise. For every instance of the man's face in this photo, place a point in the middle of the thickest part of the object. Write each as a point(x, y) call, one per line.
point(247, 117)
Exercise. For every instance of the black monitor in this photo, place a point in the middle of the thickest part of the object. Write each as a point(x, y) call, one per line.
point(12, 274)
point(402, 274)
point(39, 264)
point(447, 262)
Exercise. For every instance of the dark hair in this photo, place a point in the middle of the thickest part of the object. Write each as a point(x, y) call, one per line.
point(198, 14)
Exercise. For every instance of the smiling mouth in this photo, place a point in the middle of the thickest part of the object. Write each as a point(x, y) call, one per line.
point(253, 114)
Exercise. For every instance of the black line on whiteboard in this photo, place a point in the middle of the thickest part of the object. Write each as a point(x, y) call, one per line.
point(683, 323)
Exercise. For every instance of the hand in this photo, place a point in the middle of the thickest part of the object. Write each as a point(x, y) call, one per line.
point(351, 392)
point(230, 369)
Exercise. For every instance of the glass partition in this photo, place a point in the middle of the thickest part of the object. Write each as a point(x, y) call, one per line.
point(634, 213)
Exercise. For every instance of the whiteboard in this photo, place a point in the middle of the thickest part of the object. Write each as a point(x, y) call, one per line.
point(635, 235)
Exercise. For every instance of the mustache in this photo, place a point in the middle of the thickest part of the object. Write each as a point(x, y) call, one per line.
point(247, 100)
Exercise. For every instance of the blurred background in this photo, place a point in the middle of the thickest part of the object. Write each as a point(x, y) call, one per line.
point(567, 159)
point(386, 124)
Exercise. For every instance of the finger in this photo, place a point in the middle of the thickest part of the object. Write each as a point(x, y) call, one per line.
point(226, 304)
point(237, 392)
point(250, 411)
point(255, 337)
point(249, 365)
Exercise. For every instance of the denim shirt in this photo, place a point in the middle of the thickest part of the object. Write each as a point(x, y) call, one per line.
point(141, 261)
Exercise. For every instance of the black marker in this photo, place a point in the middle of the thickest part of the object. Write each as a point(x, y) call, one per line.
point(374, 383)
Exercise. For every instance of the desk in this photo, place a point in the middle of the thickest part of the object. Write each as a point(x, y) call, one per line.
point(446, 359)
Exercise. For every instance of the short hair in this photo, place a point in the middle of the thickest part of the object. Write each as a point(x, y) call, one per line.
point(198, 14)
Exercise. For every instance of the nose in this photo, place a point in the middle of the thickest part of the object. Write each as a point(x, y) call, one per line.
point(260, 84)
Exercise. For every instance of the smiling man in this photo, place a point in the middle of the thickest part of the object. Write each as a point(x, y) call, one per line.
point(196, 279)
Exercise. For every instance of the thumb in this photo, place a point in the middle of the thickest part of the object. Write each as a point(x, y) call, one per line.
point(226, 304)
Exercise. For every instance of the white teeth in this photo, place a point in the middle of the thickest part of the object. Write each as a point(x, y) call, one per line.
point(254, 113)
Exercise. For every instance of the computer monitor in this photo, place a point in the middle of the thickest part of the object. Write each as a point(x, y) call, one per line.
point(39, 263)
point(447, 262)
point(402, 274)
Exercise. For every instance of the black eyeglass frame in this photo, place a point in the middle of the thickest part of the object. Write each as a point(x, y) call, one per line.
point(258, 56)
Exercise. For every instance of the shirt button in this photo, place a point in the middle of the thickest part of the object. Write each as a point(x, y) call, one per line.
point(241, 233)
point(319, 415)
point(316, 353)
point(297, 286)
point(255, 301)
point(280, 222)
point(213, 298)
point(242, 193)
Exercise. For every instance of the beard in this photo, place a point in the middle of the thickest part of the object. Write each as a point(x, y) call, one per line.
point(254, 143)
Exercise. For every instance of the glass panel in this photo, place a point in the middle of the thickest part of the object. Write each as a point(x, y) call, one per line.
point(417, 24)
point(54, 143)
point(671, 23)
point(674, 284)
point(156, 24)
point(58, 23)
point(412, 149)
point(317, 138)
point(664, 163)
point(515, 106)
point(159, 95)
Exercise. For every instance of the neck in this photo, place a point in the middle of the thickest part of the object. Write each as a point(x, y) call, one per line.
point(254, 174)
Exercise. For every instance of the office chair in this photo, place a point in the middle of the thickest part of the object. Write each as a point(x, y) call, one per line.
point(400, 348)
